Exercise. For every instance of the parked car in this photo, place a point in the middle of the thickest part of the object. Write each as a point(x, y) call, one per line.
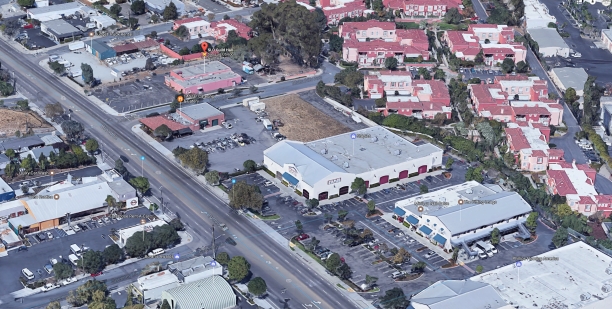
point(49, 235)
point(49, 287)
point(303, 237)
point(97, 274)
point(429, 254)
point(76, 228)
point(69, 281)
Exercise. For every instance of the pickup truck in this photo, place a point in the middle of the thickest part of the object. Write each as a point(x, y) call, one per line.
point(49, 287)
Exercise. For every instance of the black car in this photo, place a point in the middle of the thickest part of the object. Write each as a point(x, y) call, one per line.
point(552, 246)
point(41, 236)
point(22, 248)
point(428, 178)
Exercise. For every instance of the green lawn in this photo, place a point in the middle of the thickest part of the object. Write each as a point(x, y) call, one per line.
point(272, 217)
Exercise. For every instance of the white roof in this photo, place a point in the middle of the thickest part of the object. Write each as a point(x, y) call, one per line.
point(210, 293)
point(562, 277)
point(103, 19)
point(548, 37)
point(51, 139)
point(452, 294)
point(197, 23)
point(128, 232)
point(537, 11)
point(533, 135)
point(571, 77)
point(470, 190)
point(56, 8)
point(580, 180)
point(157, 280)
point(4, 187)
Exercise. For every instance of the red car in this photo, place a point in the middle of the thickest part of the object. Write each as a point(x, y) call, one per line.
point(96, 274)
point(303, 237)
point(342, 259)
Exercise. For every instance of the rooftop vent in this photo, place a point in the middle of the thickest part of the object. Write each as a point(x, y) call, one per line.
point(442, 199)
point(585, 296)
point(397, 152)
point(469, 191)
point(362, 149)
point(609, 271)
point(346, 165)
point(374, 139)
point(334, 157)
point(324, 151)
point(606, 288)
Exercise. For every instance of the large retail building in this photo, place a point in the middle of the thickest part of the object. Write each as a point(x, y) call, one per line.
point(326, 168)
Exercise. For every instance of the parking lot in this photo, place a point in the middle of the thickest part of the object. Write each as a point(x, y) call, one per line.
point(483, 74)
point(213, 6)
point(242, 121)
point(268, 191)
point(90, 234)
point(131, 95)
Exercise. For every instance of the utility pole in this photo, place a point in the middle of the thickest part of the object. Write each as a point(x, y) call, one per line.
point(213, 243)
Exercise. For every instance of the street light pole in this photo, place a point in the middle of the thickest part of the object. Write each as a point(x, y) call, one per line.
point(161, 197)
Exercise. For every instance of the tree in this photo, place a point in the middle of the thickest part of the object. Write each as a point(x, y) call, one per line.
point(312, 203)
point(87, 73)
point(453, 16)
point(423, 188)
point(238, 18)
point(212, 177)
point(153, 34)
point(10, 153)
point(418, 267)
point(73, 129)
point(479, 269)
point(184, 51)
point(507, 65)
point(92, 261)
point(138, 7)
point(54, 305)
point(298, 226)
point(119, 167)
point(84, 294)
point(335, 43)
point(155, 19)
point(163, 131)
point(359, 186)
point(570, 96)
point(57, 67)
point(563, 210)
point(532, 222)
point(196, 49)
point(195, 159)
point(53, 110)
point(495, 235)
point(344, 272)
point(25, 189)
point(479, 59)
point(394, 299)
point(449, 163)
point(243, 195)
point(141, 184)
point(371, 207)
point(112, 254)
point(522, 67)
point(333, 262)
point(560, 237)
point(210, 16)
point(115, 9)
point(28, 164)
point(552, 25)
point(26, 3)
point(370, 280)
point(424, 73)
point(62, 271)
point(253, 89)
point(223, 258)
point(10, 170)
point(43, 163)
point(23, 105)
point(238, 268)
point(257, 286)
point(149, 65)
point(129, 299)
point(401, 256)
point(91, 145)
point(313, 244)
point(439, 74)
point(226, 17)
point(170, 12)
point(391, 63)
point(249, 165)
point(165, 305)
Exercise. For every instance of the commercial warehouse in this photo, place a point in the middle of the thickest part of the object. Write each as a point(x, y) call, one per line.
point(59, 29)
point(326, 168)
point(200, 116)
point(462, 214)
point(52, 12)
point(210, 293)
point(566, 78)
point(550, 42)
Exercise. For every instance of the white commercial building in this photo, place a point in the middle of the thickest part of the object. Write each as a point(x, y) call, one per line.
point(550, 42)
point(198, 28)
point(455, 294)
point(151, 286)
point(537, 15)
point(606, 39)
point(462, 214)
point(569, 77)
point(102, 21)
point(126, 233)
point(573, 276)
point(196, 269)
point(52, 12)
point(325, 168)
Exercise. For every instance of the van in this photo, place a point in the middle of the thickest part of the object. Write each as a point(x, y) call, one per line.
point(156, 252)
point(76, 250)
point(27, 273)
point(73, 259)
point(396, 275)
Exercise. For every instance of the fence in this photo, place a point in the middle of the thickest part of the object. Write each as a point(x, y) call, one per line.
point(174, 54)
point(352, 113)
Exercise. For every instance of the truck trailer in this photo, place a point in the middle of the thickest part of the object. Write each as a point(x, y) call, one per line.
point(247, 67)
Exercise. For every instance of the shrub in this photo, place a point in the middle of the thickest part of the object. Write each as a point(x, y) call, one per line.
point(393, 180)
point(413, 174)
point(298, 192)
point(374, 185)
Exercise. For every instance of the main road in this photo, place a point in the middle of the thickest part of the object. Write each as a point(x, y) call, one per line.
point(189, 198)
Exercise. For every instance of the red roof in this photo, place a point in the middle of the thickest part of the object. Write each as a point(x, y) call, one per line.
point(365, 25)
point(438, 89)
point(378, 45)
point(242, 30)
point(586, 200)
point(602, 198)
point(146, 44)
point(530, 110)
point(538, 153)
point(186, 20)
point(401, 4)
point(125, 47)
point(562, 182)
point(497, 50)
point(517, 139)
point(155, 122)
point(556, 153)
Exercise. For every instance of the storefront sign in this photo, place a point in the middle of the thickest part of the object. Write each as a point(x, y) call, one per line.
point(292, 170)
point(333, 181)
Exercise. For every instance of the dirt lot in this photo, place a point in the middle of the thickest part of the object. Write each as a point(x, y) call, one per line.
point(288, 68)
point(302, 121)
point(12, 121)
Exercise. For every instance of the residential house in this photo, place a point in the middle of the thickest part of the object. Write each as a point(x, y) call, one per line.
point(432, 9)
point(335, 10)
point(528, 142)
point(220, 29)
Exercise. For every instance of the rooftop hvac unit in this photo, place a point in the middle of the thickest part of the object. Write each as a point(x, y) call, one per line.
point(324, 151)
point(469, 191)
point(374, 139)
point(442, 199)
point(346, 165)
point(606, 288)
point(334, 157)
point(609, 271)
point(585, 296)
point(398, 152)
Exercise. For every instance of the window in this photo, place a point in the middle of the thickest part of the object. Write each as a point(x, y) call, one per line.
point(385, 33)
point(587, 208)
point(540, 160)
point(393, 84)
point(400, 84)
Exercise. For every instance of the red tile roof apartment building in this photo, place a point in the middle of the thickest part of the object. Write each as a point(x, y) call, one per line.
point(422, 8)
point(514, 99)
point(370, 43)
point(528, 142)
point(422, 99)
point(500, 45)
point(577, 183)
point(335, 10)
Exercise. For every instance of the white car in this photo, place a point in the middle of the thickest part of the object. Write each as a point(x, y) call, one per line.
point(267, 183)
point(49, 287)
point(227, 125)
point(69, 281)
point(49, 235)
point(53, 261)
point(76, 228)
point(429, 254)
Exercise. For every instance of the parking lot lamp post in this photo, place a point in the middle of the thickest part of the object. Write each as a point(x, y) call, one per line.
point(91, 35)
point(233, 191)
point(52, 172)
point(143, 221)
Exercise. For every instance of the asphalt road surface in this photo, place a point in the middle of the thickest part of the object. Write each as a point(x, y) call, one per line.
point(270, 260)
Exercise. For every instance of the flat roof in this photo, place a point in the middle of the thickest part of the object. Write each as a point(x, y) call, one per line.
point(129, 231)
point(210, 293)
point(195, 265)
point(51, 139)
point(547, 37)
point(55, 8)
point(157, 280)
point(196, 71)
point(200, 111)
point(482, 212)
point(607, 33)
point(573, 276)
point(470, 190)
point(4, 187)
point(572, 77)
point(451, 294)
point(18, 143)
point(371, 149)
point(103, 19)
point(121, 187)
point(60, 27)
